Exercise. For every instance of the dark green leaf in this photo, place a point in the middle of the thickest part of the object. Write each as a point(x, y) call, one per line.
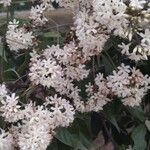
point(108, 63)
point(80, 146)
point(138, 136)
point(66, 137)
point(77, 141)
point(53, 145)
point(147, 123)
point(112, 113)
point(84, 140)
point(138, 113)
point(2, 53)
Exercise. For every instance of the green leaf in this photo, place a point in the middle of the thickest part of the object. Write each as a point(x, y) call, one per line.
point(147, 123)
point(108, 44)
point(82, 123)
point(114, 122)
point(112, 119)
point(66, 137)
point(2, 53)
point(84, 140)
point(80, 146)
point(14, 71)
point(112, 112)
point(1, 50)
point(108, 63)
point(53, 145)
point(137, 112)
point(57, 145)
point(138, 136)
point(77, 141)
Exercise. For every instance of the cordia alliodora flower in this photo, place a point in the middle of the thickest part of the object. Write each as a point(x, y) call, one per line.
point(5, 2)
point(18, 38)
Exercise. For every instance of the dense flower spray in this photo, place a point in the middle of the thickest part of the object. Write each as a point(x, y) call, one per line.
point(58, 70)
point(37, 123)
point(18, 38)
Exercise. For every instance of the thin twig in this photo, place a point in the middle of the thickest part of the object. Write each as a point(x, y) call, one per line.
point(3, 49)
point(57, 27)
point(93, 66)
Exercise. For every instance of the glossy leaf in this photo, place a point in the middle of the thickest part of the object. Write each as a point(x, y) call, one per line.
point(138, 136)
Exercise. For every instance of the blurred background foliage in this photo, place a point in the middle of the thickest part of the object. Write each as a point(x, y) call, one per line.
point(115, 127)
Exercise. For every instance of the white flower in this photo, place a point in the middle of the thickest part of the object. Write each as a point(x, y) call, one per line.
point(137, 4)
point(112, 15)
point(37, 129)
point(139, 52)
point(5, 2)
point(18, 38)
point(6, 140)
point(145, 42)
point(34, 137)
point(39, 122)
point(59, 68)
point(78, 73)
point(93, 26)
point(129, 84)
point(3, 91)
point(13, 25)
point(98, 94)
point(38, 115)
point(10, 109)
point(62, 111)
point(45, 72)
point(37, 16)
point(91, 35)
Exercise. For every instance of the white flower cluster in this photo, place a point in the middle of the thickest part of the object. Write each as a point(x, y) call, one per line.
point(98, 94)
point(37, 16)
point(62, 70)
point(91, 34)
point(129, 84)
point(59, 68)
point(5, 2)
point(96, 20)
point(95, 24)
point(111, 14)
point(18, 37)
point(67, 3)
point(37, 13)
point(140, 51)
point(138, 34)
point(137, 4)
point(126, 83)
point(36, 125)
point(62, 111)
point(9, 109)
point(6, 140)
